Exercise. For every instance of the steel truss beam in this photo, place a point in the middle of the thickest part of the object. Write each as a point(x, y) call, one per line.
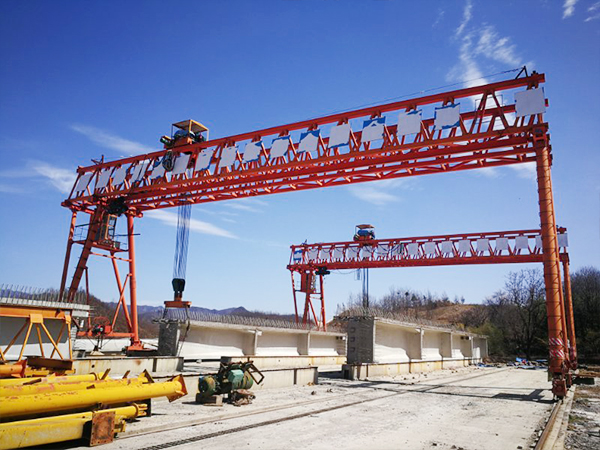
point(505, 247)
point(488, 136)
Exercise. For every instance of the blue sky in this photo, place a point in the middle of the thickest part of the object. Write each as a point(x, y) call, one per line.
point(83, 79)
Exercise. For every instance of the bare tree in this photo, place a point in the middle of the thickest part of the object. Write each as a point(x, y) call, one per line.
point(585, 285)
point(518, 310)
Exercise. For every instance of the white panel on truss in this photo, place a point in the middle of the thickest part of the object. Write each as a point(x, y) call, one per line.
point(447, 116)
point(352, 252)
point(413, 249)
point(228, 156)
point(325, 253)
point(181, 164)
point(483, 245)
point(538, 242)
point(529, 102)
point(103, 178)
point(309, 141)
point(158, 171)
point(367, 251)
point(279, 147)
point(563, 240)
point(312, 254)
point(203, 160)
point(447, 247)
point(429, 248)
point(338, 253)
point(373, 129)
point(139, 171)
point(252, 151)
point(396, 250)
point(521, 243)
point(119, 175)
point(383, 249)
point(502, 243)
point(298, 255)
point(409, 122)
point(464, 246)
point(339, 135)
point(83, 181)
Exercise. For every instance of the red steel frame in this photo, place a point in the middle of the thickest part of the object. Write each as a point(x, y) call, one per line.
point(487, 136)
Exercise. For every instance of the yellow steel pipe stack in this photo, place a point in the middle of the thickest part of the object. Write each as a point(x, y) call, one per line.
point(73, 397)
point(49, 430)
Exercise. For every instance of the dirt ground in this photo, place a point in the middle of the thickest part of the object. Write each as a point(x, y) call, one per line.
point(470, 408)
point(583, 431)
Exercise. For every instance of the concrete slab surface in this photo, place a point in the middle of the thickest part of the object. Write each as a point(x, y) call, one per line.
point(468, 408)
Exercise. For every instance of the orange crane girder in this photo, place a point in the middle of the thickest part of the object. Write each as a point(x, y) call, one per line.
point(489, 135)
point(505, 247)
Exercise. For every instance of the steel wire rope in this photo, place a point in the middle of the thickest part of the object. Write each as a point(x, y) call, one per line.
point(378, 102)
point(180, 260)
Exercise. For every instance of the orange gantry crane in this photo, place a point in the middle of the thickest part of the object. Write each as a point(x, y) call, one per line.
point(491, 125)
point(309, 263)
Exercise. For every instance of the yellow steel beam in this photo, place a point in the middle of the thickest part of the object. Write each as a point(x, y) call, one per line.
point(25, 312)
point(18, 406)
point(41, 388)
point(36, 432)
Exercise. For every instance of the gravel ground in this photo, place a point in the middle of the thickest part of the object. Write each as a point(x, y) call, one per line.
point(471, 408)
point(583, 431)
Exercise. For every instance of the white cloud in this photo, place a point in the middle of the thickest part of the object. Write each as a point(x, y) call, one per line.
point(489, 172)
point(111, 141)
point(497, 48)
point(594, 10)
point(525, 170)
point(467, 15)
point(480, 46)
point(246, 204)
point(198, 226)
point(241, 207)
point(569, 8)
point(377, 192)
point(61, 179)
point(373, 195)
point(439, 18)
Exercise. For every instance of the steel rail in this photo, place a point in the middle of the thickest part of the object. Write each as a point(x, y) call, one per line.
point(193, 439)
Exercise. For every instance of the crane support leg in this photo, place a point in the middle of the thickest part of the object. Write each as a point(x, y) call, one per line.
point(323, 323)
point(135, 338)
point(556, 333)
point(569, 310)
point(93, 228)
point(63, 281)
